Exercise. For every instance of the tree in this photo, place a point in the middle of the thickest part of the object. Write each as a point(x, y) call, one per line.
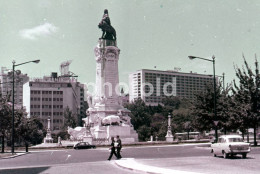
point(248, 89)
point(5, 118)
point(170, 104)
point(203, 108)
point(158, 126)
point(69, 119)
point(140, 114)
point(30, 130)
point(144, 132)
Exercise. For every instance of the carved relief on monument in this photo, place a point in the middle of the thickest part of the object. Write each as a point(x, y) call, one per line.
point(97, 54)
point(110, 55)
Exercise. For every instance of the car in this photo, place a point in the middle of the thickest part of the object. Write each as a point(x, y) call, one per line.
point(84, 145)
point(230, 145)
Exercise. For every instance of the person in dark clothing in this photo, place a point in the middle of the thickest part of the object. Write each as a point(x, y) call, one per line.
point(112, 148)
point(119, 147)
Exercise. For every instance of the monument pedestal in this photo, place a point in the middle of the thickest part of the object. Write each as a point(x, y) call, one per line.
point(169, 139)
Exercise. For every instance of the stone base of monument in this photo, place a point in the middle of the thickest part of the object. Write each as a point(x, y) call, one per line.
point(48, 140)
point(169, 138)
point(126, 133)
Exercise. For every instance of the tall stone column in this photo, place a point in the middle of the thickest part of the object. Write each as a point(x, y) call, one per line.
point(106, 100)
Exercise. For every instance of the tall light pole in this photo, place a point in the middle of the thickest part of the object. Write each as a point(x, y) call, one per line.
point(214, 83)
point(14, 65)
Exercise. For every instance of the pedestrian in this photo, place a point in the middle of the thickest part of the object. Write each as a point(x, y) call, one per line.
point(119, 147)
point(112, 149)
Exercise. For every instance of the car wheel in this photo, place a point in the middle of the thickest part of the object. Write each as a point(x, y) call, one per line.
point(244, 155)
point(225, 155)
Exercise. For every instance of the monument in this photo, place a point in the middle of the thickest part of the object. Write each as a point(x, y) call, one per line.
point(48, 138)
point(169, 137)
point(107, 116)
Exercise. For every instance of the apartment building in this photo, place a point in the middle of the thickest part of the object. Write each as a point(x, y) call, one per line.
point(153, 85)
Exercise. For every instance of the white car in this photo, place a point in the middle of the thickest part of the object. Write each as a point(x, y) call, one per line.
point(230, 145)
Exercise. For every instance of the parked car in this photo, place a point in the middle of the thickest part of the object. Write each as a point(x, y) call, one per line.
point(84, 145)
point(230, 145)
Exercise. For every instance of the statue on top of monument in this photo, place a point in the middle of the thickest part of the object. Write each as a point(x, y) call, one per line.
point(109, 32)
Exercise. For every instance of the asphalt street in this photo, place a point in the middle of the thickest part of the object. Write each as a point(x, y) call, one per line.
point(179, 157)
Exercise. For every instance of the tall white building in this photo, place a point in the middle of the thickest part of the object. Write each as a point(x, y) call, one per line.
point(50, 96)
point(6, 84)
point(153, 85)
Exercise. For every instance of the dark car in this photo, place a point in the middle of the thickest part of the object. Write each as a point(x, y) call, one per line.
point(84, 145)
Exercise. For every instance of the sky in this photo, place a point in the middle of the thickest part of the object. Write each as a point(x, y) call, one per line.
point(150, 33)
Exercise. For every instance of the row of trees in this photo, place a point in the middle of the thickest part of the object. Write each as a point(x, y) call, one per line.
point(27, 130)
point(237, 108)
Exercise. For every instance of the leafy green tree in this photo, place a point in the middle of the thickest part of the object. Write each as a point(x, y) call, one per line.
point(158, 126)
point(140, 114)
point(170, 104)
point(144, 132)
point(30, 130)
point(203, 108)
point(249, 85)
point(5, 118)
point(69, 119)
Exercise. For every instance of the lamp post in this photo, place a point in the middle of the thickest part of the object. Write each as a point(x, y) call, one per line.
point(214, 83)
point(14, 65)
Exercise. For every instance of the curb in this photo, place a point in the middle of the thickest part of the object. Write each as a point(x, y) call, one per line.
point(131, 164)
point(13, 156)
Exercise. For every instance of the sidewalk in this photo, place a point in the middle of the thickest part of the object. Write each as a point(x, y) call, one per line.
point(139, 166)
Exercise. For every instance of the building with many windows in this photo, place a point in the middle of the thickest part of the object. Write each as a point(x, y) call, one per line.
point(153, 85)
point(6, 84)
point(50, 96)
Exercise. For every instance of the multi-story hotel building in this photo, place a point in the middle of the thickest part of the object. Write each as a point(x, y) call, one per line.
point(153, 85)
point(50, 96)
point(6, 84)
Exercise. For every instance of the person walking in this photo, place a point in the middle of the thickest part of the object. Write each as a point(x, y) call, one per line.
point(119, 147)
point(112, 149)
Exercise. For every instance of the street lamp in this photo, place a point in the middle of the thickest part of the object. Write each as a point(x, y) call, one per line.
point(214, 83)
point(14, 65)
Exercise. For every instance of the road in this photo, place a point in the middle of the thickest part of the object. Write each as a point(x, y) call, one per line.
point(181, 157)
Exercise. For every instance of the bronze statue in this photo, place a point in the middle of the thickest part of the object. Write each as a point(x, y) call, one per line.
point(109, 32)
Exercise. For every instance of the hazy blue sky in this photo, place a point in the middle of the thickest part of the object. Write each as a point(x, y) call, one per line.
point(150, 33)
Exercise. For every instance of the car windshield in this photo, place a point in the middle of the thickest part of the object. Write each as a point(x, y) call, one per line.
point(235, 140)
